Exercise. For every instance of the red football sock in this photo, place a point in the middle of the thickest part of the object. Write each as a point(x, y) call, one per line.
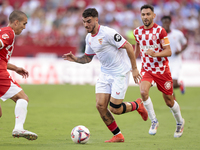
point(134, 106)
point(113, 128)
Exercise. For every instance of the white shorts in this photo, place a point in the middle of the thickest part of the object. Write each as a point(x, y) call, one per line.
point(114, 85)
point(13, 90)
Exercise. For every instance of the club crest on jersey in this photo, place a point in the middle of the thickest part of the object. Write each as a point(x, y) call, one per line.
point(154, 37)
point(117, 37)
point(100, 41)
point(5, 36)
point(168, 85)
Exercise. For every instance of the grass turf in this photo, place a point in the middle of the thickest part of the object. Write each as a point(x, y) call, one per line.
point(54, 110)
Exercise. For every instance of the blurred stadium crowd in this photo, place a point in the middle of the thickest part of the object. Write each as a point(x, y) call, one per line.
point(59, 22)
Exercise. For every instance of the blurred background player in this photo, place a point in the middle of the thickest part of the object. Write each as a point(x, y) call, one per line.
point(117, 59)
point(178, 44)
point(8, 87)
point(154, 47)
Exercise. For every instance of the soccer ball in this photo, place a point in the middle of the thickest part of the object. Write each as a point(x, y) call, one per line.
point(80, 134)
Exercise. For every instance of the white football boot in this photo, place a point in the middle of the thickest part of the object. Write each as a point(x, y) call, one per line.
point(179, 130)
point(24, 133)
point(153, 128)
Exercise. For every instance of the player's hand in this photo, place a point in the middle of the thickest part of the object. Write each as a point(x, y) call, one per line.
point(21, 71)
point(151, 53)
point(70, 57)
point(136, 75)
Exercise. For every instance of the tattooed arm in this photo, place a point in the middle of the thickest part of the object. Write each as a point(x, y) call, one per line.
point(83, 59)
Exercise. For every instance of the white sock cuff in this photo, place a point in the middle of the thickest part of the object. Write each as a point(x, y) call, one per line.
point(175, 105)
point(22, 102)
point(148, 101)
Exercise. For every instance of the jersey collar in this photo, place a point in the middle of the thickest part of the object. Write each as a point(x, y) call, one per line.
point(96, 33)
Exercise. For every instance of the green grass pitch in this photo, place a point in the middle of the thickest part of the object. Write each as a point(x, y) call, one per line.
point(54, 110)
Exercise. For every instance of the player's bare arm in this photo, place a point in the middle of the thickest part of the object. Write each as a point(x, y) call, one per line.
point(83, 59)
point(21, 71)
point(165, 53)
point(136, 75)
point(137, 50)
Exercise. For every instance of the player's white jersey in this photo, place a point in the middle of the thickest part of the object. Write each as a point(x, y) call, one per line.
point(177, 39)
point(106, 45)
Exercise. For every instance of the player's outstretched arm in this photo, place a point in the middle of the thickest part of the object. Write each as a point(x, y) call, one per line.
point(21, 71)
point(136, 75)
point(83, 59)
point(137, 50)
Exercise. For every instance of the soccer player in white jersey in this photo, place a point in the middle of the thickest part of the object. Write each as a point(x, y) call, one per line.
point(153, 45)
point(10, 89)
point(117, 59)
point(178, 44)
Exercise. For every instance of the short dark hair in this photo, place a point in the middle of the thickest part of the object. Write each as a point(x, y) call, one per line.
point(146, 6)
point(90, 12)
point(166, 17)
point(16, 15)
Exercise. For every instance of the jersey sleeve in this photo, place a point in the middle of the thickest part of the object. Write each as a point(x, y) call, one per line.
point(115, 39)
point(6, 38)
point(163, 37)
point(88, 49)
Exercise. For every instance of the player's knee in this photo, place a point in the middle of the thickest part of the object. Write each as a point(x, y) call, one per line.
point(115, 111)
point(169, 101)
point(144, 94)
point(100, 106)
point(25, 97)
point(115, 108)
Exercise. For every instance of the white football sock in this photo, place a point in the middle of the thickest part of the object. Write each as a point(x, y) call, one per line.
point(20, 113)
point(149, 107)
point(177, 113)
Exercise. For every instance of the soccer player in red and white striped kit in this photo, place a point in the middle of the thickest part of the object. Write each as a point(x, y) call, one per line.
point(154, 47)
point(10, 89)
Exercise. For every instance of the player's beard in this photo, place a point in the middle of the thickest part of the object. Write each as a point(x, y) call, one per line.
point(147, 24)
point(92, 29)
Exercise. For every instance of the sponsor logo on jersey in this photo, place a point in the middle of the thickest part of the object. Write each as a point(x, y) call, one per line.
point(5, 36)
point(117, 37)
point(100, 41)
point(148, 47)
point(168, 85)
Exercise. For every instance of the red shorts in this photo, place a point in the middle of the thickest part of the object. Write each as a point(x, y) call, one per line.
point(163, 81)
point(8, 87)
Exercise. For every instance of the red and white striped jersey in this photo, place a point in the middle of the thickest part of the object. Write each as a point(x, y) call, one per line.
point(7, 36)
point(154, 38)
